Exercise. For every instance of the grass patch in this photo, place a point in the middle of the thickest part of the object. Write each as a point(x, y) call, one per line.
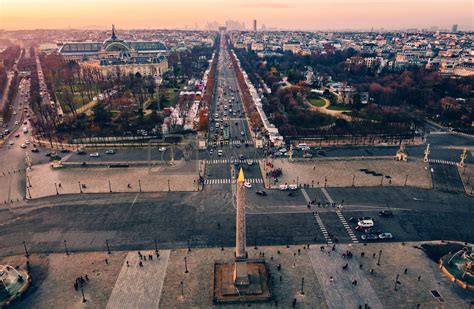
point(318, 102)
point(339, 108)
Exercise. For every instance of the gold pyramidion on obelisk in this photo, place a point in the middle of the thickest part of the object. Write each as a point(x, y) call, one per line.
point(241, 276)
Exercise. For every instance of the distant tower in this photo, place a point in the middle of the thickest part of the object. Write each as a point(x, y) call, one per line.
point(114, 37)
point(255, 25)
point(454, 28)
point(241, 276)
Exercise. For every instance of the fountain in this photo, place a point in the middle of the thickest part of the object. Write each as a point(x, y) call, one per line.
point(13, 283)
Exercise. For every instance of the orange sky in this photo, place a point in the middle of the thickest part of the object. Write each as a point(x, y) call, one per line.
point(291, 14)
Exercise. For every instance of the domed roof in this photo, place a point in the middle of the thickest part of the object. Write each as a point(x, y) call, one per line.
point(115, 41)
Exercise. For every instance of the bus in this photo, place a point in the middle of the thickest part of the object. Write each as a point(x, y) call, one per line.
point(226, 135)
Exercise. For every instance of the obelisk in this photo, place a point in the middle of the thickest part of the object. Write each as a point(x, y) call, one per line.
point(241, 276)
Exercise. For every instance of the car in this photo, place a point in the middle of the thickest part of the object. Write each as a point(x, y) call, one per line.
point(35, 150)
point(23, 146)
point(307, 155)
point(25, 122)
point(386, 213)
point(219, 152)
point(385, 236)
point(236, 123)
point(64, 150)
point(27, 142)
point(17, 135)
point(248, 185)
point(11, 143)
point(94, 155)
point(242, 133)
point(110, 151)
point(369, 237)
point(162, 149)
point(16, 122)
point(80, 152)
point(372, 230)
point(14, 113)
point(365, 223)
point(365, 218)
point(283, 187)
point(261, 192)
point(249, 162)
point(293, 187)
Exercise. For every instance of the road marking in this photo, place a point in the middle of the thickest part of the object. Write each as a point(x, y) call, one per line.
point(439, 161)
point(326, 194)
point(322, 228)
point(219, 181)
point(346, 226)
point(305, 194)
point(134, 200)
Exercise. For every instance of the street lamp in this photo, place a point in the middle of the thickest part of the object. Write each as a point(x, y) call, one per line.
point(302, 286)
point(110, 186)
point(65, 248)
point(107, 244)
point(186, 265)
point(80, 188)
point(56, 186)
point(139, 185)
point(26, 250)
point(378, 260)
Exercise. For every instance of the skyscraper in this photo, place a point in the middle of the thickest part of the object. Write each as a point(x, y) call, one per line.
point(454, 28)
point(254, 25)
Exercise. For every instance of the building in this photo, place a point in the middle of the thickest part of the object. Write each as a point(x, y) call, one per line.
point(254, 25)
point(454, 28)
point(115, 55)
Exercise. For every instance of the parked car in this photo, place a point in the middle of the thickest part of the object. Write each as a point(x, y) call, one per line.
point(385, 236)
point(23, 146)
point(35, 150)
point(248, 185)
point(94, 155)
point(372, 230)
point(110, 151)
point(365, 223)
point(261, 192)
point(162, 149)
point(283, 187)
point(369, 237)
point(293, 187)
point(80, 152)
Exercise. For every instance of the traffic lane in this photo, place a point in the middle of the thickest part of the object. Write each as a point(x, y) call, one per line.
point(275, 199)
point(123, 155)
point(446, 178)
point(416, 199)
point(451, 139)
point(416, 226)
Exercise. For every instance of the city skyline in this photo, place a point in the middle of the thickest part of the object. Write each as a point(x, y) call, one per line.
point(181, 14)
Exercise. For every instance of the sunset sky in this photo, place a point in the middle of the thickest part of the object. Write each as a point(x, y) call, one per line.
point(289, 14)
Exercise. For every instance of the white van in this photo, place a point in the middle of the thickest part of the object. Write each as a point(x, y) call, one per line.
point(25, 130)
point(303, 146)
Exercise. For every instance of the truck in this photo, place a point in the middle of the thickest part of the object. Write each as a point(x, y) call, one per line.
point(226, 135)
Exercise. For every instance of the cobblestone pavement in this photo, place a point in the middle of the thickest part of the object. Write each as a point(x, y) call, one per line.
point(342, 173)
point(44, 181)
point(140, 286)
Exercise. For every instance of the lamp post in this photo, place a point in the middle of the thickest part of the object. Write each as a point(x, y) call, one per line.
point(29, 193)
point(406, 180)
point(302, 286)
point(83, 297)
point(186, 265)
point(139, 186)
point(353, 178)
point(80, 188)
point(65, 248)
point(378, 260)
point(26, 249)
point(56, 186)
point(107, 244)
point(29, 182)
point(156, 246)
point(110, 186)
point(169, 187)
point(182, 290)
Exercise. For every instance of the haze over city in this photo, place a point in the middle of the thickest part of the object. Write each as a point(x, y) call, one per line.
point(233, 154)
point(298, 14)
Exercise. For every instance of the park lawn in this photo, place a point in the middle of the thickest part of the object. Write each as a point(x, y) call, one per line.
point(339, 108)
point(318, 102)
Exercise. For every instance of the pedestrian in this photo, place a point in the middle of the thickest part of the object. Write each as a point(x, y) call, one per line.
point(371, 270)
point(419, 278)
point(144, 257)
point(75, 286)
point(107, 261)
point(333, 247)
point(276, 303)
point(373, 256)
point(331, 279)
point(140, 264)
point(299, 252)
point(87, 278)
point(360, 266)
point(128, 264)
point(281, 278)
point(362, 254)
point(405, 271)
point(294, 302)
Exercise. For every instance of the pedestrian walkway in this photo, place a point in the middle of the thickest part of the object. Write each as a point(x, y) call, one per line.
point(140, 286)
point(234, 142)
point(326, 194)
point(340, 292)
point(346, 226)
point(228, 161)
point(438, 161)
point(322, 228)
point(221, 181)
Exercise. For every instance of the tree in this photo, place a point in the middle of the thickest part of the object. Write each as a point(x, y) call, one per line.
point(101, 116)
